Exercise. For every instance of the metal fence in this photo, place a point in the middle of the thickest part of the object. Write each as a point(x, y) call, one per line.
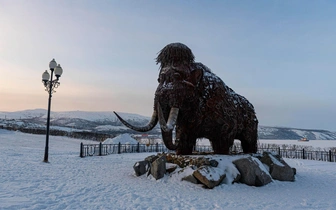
point(107, 149)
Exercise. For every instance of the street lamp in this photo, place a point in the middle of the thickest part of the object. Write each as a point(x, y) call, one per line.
point(50, 85)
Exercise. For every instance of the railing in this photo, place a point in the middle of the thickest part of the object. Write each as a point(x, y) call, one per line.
point(309, 155)
point(107, 149)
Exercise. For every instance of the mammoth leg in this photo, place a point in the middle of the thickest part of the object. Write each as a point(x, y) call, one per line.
point(249, 141)
point(185, 150)
point(219, 148)
point(249, 136)
point(186, 143)
point(222, 145)
point(223, 142)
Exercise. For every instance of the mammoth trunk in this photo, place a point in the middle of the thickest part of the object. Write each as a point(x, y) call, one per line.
point(167, 127)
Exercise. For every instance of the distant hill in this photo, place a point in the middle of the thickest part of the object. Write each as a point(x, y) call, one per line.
point(267, 132)
point(106, 122)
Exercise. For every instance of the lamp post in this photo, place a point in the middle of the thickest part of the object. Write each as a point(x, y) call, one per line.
point(50, 85)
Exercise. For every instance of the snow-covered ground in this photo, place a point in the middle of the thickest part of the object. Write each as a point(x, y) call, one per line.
point(122, 139)
point(108, 182)
point(314, 144)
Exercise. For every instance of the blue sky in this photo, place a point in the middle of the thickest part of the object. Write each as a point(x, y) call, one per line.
point(278, 54)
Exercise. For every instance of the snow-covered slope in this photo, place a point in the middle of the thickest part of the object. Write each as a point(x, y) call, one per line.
point(90, 116)
point(266, 132)
point(106, 122)
point(76, 120)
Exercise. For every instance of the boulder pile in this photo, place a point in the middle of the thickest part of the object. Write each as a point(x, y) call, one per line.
point(213, 170)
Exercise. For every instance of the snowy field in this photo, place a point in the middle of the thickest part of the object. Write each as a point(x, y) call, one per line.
point(314, 144)
point(108, 182)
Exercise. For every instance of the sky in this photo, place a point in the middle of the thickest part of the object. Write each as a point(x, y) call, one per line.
point(278, 54)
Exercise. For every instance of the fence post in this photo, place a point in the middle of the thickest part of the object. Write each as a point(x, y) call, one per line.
point(279, 151)
point(329, 155)
point(119, 146)
point(303, 154)
point(100, 149)
point(157, 147)
point(138, 147)
point(81, 150)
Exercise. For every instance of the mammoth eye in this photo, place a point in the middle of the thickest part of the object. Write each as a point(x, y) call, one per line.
point(177, 76)
point(161, 77)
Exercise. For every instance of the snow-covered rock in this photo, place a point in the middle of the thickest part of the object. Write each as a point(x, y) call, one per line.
point(209, 176)
point(252, 171)
point(213, 170)
point(278, 168)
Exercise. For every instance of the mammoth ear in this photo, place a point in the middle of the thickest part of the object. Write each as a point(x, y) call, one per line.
point(196, 76)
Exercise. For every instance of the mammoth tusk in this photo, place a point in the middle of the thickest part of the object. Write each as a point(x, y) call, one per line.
point(167, 138)
point(173, 114)
point(145, 128)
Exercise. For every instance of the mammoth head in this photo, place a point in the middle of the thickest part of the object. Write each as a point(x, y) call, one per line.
point(176, 95)
point(176, 86)
point(176, 92)
point(175, 53)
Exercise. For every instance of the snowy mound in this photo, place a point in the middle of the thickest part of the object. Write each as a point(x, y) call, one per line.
point(123, 139)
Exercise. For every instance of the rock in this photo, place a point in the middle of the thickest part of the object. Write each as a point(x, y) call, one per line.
point(294, 171)
point(190, 178)
point(278, 168)
point(184, 161)
point(252, 171)
point(149, 170)
point(214, 163)
point(151, 158)
point(282, 173)
point(170, 167)
point(158, 168)
point(209, 176)
point(141, 167)
point(184, 174)
point(201, 161)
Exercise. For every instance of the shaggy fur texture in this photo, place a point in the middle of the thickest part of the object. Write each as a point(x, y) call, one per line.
point(175, 54)
point(208, 107)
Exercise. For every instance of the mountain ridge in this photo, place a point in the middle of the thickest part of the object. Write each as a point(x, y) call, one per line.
point(106, 121)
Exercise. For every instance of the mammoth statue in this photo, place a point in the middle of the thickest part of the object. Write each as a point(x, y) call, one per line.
point(197, 104)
